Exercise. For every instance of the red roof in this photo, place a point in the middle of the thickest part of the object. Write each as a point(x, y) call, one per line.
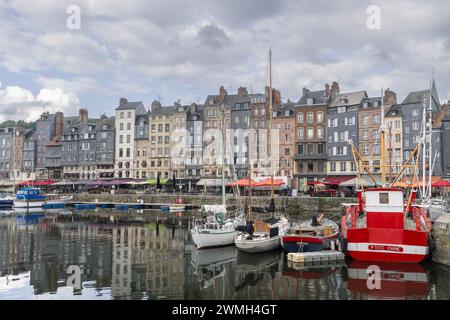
point(336, 180)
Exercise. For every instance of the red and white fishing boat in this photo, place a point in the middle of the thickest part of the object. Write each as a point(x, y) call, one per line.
point(382, 227)
point(385, 225)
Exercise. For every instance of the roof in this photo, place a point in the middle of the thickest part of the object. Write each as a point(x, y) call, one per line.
point(163, 111)
point(417, 97)
point(353, 98)
point(138, 106)
point(394, 110)
point(318, 97)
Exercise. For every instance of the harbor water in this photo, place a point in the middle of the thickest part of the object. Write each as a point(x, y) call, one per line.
point(143, 254)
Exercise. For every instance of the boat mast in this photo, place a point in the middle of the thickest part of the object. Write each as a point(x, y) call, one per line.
point(223, 157)
point(249, 186)
point(383, 151)
point(272, 193)
point(430, 131)
point(424, 148)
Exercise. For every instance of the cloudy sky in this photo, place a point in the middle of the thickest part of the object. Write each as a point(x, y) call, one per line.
point(185, 49)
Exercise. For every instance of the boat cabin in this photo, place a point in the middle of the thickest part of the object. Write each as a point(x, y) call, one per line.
point(384, 208)
point(29, 194)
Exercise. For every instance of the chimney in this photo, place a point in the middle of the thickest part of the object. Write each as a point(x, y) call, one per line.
point(242, 92)
point(334, 89)
point(155, 105)
point(327, 90)
point(390, 97)
point(276, 96)
point(305, 91)
point(83, 115)
point(123, 101)
point(222, 94)
point(58, 125)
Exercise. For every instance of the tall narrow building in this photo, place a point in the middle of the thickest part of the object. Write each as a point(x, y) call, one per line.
point(125, 121)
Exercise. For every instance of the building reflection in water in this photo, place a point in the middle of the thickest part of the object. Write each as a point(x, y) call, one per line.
point(126, 258)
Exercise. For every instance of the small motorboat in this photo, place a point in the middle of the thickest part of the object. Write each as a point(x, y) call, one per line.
point(305, 237)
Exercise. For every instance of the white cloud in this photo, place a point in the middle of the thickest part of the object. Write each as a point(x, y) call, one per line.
point(17, 103)
point(197, 45)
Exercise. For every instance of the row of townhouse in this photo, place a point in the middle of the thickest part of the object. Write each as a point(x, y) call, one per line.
point(309, 138)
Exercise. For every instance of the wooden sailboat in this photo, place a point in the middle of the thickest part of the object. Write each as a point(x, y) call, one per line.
point(383, 225)
point(262, 236)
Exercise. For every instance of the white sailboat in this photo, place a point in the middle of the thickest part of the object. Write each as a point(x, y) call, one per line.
point(216, 229)
point(435, 207)
point(267, 234)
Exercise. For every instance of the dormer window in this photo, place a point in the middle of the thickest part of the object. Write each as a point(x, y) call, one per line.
point(287, 113)
point(309, 101)
point(342, 109)
point(343, 101)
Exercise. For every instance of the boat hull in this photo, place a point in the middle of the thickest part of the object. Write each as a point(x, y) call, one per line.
point(305, 244)
point(396, 246)
point(212, 238)
point(256, 246)
point(28, 203)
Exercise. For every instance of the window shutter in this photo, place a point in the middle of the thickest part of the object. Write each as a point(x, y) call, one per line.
point(334, 151)
point(346, 136)
point(345, 120)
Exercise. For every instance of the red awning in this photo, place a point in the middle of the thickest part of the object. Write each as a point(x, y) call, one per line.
point(242, 183)
point(336, 180)
point(268, 183)
point(36, 183)
point(442, 183)
point(315, 183)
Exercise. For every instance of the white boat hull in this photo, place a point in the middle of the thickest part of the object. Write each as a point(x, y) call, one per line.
point(28, 204)
point(212, 238)
point(257, 245)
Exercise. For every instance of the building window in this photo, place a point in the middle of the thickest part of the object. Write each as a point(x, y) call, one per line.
point(310, 148)
point(300, 149)
point(333, 166)
point(310, 117)
point(300, 133)
point(343, 165)
point(120, 153)
point(299, 117)
point(415, 125)
point(310, 133)
point(398, 138)
point(365, 120)
point(320, 117)
point(320, 166)
point(376, 119)
point(397, 124)
point(129, 114)
point(415, 112)
point(287, 151)
point(320, 148)
point(320, 133)
point(121, 126)
point(128, 152)
point(121, 139)
point(342, 109)
point(121, 115)
point(310, 166)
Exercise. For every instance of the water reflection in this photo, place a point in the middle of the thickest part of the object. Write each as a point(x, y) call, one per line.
point(141, 255)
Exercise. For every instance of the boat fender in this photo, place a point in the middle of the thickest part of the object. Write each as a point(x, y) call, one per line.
point(343, 245)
